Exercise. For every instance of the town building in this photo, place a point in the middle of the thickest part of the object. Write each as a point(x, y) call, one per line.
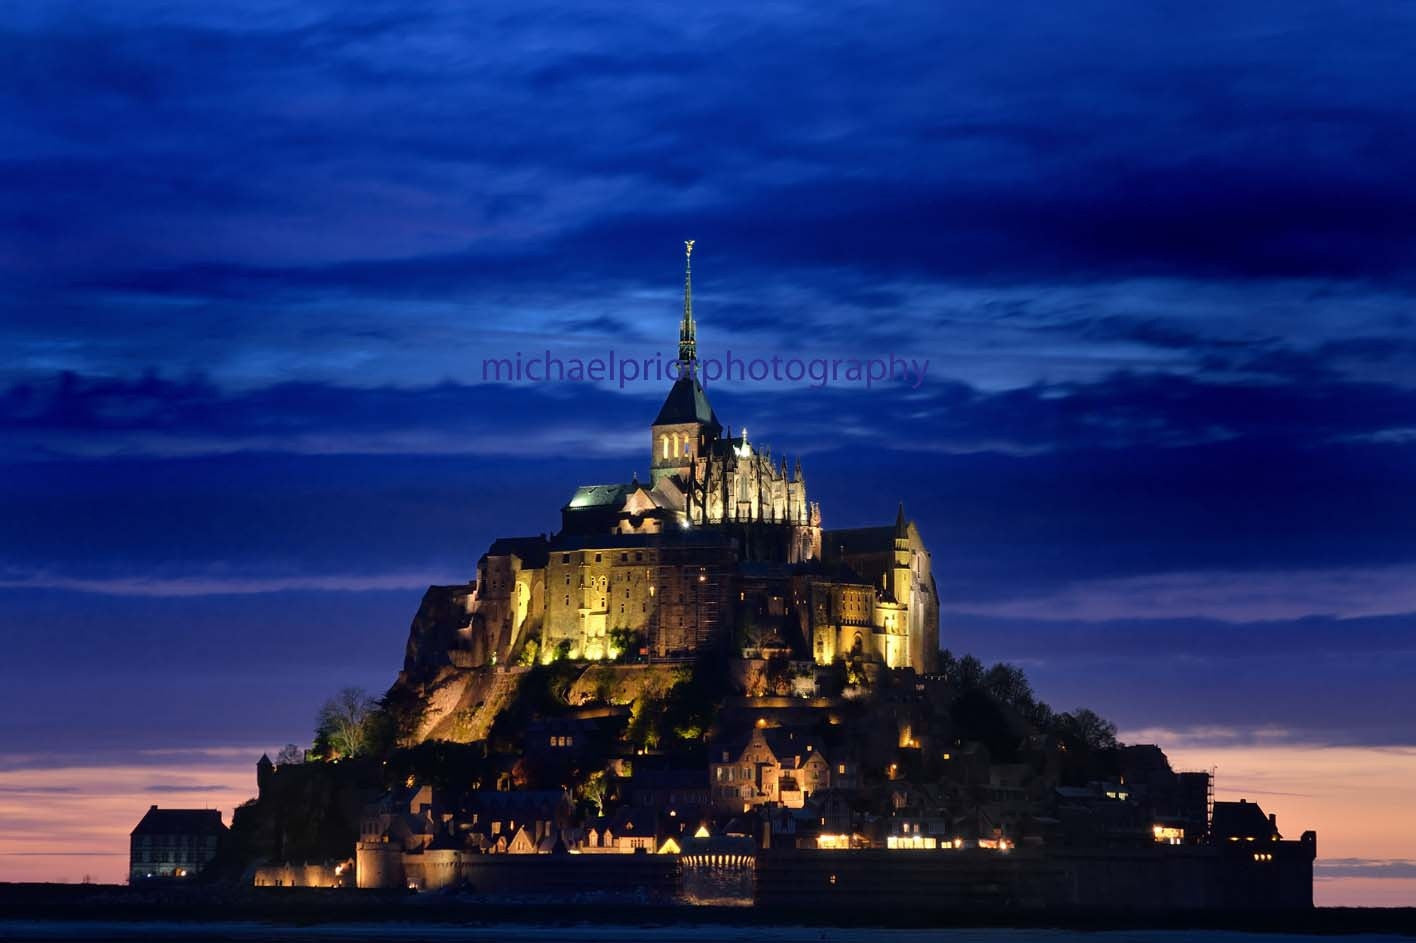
point(174, 843)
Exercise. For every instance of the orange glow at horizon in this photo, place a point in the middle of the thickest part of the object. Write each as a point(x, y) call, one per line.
point(62, 822)
point(1360, 800)
point(65, 822)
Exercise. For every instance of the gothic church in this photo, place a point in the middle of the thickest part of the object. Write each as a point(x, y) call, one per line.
point(720, 550)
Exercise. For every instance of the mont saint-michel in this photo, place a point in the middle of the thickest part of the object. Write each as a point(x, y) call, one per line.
point(697, 690)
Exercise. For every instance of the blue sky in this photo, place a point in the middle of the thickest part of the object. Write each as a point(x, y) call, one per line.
point(1159, 256)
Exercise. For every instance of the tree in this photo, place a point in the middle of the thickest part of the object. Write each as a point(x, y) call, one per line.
point(343, 723)
point(970, 672)
point(290, 755)
point(1041, 716)
point(645, 716)
point(593, 790)
point(1087, 728)
point(625, 644)
point(778, 675)
point(1008, 683)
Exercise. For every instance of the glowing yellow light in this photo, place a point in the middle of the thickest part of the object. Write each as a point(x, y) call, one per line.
point(910, 841)
point(1167, 835)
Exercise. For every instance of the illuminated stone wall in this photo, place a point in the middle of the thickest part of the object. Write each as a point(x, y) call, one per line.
point(591, 592)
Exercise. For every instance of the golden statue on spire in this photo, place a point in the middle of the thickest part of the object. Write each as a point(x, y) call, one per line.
point(688, 247)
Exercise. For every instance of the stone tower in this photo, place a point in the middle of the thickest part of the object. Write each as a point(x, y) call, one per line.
point(902, 573)
point(686, 423)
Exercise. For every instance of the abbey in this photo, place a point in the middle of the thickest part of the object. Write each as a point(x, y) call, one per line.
point(693, 688)
point(720, 548)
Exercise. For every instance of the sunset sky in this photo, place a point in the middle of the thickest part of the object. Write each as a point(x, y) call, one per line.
point(1161, 259)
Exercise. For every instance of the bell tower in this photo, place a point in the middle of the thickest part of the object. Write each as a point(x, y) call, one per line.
point(902, 573)
point(686, 422)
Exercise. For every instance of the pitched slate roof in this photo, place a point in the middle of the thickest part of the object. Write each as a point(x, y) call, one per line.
point(858, 540)
point(686, 402)
point(533, 551)
point(630, 821)
point(180, 822)
point(522, 801)
point(1242, 819)
point(592, 496)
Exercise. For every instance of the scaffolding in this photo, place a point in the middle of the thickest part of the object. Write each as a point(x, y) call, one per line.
point(689, 588)
point(1209, 803)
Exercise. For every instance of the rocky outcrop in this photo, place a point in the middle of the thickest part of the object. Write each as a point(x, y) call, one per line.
point(437, 630)
point(625, 684)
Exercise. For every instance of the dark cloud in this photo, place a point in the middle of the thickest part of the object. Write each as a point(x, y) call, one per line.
point(1019, 491)
point(1160, 260)
point(69, 414)
point(1364, 868)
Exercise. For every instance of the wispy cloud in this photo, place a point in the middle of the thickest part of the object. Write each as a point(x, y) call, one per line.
point(223, 585)
point(66, 820)
point(1394, 868)
point(1244, 596)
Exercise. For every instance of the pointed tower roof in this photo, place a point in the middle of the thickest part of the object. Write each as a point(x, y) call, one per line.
point(688, 343)
point(902, 526)
point(687, 402)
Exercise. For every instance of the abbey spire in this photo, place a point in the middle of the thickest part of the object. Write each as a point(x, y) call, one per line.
point(688, 345)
